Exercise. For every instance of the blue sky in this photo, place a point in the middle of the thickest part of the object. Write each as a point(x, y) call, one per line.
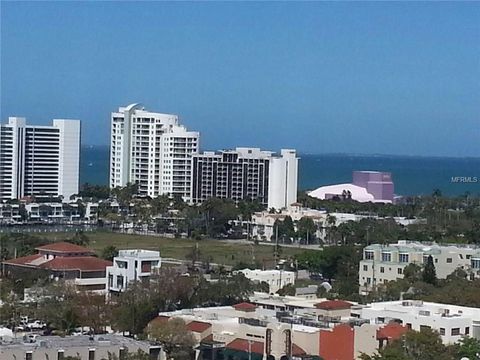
point(322, 77)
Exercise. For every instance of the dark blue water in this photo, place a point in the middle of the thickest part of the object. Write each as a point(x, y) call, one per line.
point(411, 175)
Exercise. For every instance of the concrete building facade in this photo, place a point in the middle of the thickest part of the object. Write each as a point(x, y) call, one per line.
point(383, 263)
point(452, 322)
point(39, 160)
point(276, 279)
point(152, 150)
point(131, 265)
point(84, 347)
point(246, 174)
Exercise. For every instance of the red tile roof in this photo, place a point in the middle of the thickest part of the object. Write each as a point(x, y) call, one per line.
point(333, 305)
point(24, 260)
point(198, 326)
point(245, 306)
point(392, 331)
point(297, 350)
point(64, 247)
point(242, 345)
point(83, 263)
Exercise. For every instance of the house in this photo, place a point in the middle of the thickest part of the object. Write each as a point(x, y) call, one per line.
point(63, 260)
point(131, 265)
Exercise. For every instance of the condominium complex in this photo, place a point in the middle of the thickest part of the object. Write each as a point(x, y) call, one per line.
point(246, 174)
point(152, 150)
point(39, 160)
point(383, 263)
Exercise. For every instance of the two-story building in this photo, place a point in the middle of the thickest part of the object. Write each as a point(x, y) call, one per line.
point(383, 263)
point(450, 321)
point(132, 265)
point(63, 260)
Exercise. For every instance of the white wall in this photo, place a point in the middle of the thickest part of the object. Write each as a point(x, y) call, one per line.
point(69, 157)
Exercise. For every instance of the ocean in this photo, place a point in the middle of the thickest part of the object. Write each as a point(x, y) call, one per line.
point(412, 175)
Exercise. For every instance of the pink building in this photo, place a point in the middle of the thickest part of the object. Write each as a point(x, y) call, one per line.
point(367, 186)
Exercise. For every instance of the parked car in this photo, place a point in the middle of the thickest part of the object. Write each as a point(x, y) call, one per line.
point(36, 325)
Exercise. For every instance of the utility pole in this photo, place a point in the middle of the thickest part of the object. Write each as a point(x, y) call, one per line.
point(276, 245)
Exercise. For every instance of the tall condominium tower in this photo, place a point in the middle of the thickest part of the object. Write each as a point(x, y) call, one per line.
point(39, 160)
point(151, 150)
point(246, 173)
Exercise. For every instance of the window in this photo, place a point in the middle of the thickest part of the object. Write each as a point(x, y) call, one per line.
point(403, 258)
point(475, 263)
point(365, 267)
point(382, 269)
point(455, 331)
point(409, 326)
point(119, 281)
point(368, 255)
point(467, 331)
point(369, 280)
point(424, 327)
point(399, 271)
point(449, 260)
point(91, 354)
point(442, 331)
point(29, 356)
point(386, 257)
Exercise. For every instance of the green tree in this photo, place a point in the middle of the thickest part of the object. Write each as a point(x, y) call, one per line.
point(176, 339)
point(79, 239)
point(285, 229)
point(429, 275)
point(139, 355)
point(306, 229)
point(468, 347)
point(423, 345)
point(109, 252)
point(288, 289)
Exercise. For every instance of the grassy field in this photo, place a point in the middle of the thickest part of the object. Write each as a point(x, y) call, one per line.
point(221, 252)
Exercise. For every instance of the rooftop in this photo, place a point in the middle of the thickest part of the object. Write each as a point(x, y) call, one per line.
point(82, 263)
point(421, 308)
point(71, 341)
point(333, 305)
point(198, 326)
point(64, 247)
point(138, 253)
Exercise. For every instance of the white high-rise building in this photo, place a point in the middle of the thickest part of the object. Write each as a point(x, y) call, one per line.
point(283, 177)
point(152, 150)
point(246, 174)
point(39, 160)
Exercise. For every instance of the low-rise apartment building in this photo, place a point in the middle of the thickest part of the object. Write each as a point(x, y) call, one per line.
point(450, 321)
point(383, 263)
point(84, 347)
point(276, 279)
point(131, 265)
